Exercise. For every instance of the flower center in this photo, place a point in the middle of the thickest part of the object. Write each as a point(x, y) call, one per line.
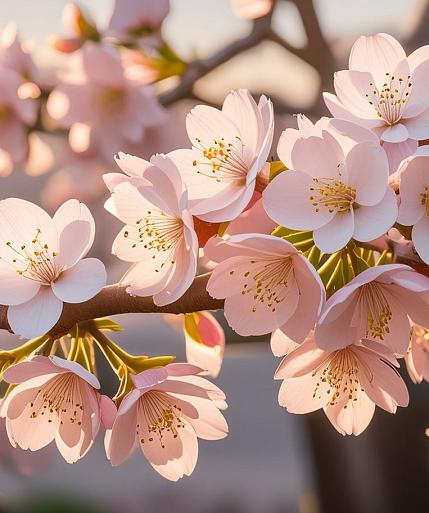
point(390, 101)
point(267, 282)
point(332, 194)
point(159, 232)
point(35, 261)
point(59, 397)
point(339, 377)
point(162, 416)
point(222, 160)
point(110, 98)
point(375, 310)
point(425, 200)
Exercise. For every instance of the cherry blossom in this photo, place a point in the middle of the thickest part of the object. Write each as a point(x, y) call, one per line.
point(376, 305)
point(16, 114)
point(385, 90)
point(54, 399)
point(414, 207)
point(230, 148)
point(164, 415)
point(205, 341)
point(339, 194)
point(133, 18)
point(267, 284)
point(417, 355)
point(159, 236)
point(347, 383)
point(102, 107)
point(42, 263)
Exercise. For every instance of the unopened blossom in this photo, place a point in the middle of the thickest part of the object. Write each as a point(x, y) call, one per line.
point(42, 263)
point(340, 194)
point(414, 207)
point(134, 18)
point(164, 415)
point(159, 236)
point(377, 305)
point(16, 115)
point(385, 91)
point(251, 9)
point(230, 148)
point(267, 284)
point(53, 400)
point(205, 341)
point(347, 383)
point(417, 355)
point(102, 108)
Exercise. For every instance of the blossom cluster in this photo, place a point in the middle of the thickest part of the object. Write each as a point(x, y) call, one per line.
point(301, 249)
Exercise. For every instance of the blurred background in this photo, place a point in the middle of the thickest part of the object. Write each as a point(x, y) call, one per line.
point(272, 462)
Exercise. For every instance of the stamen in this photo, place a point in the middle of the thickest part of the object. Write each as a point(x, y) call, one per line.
point(222, 160)
point(332, 194)
point(390, 101)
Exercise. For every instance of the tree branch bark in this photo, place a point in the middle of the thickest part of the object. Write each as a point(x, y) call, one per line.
point(114, 299)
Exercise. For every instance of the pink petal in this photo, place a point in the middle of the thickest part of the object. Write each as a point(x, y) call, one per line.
point(77, 369)
point(420, 237)
point(334, 235)
point(372, 222)
point(131, 165)
point(81, 282)
point(281, 344)
point(317, 156)
point(37, 316)
point(74, 242)
point(395, 134)
point(414, 178)
point(339, 111)
point(368, 171)
point(377, 54)
point(351, 88)
point(73, 210)
point(287, 201)
point(15, 289)
point(397, 152)
point(122, 439)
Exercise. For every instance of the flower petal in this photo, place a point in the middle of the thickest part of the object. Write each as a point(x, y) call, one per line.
point(81, 282)
point(37, 316)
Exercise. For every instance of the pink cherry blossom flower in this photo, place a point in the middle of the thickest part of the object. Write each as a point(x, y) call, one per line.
point(102, 107)
point(266, 284)
point(166, 412)
point(159, 236)
point(346, 383)
point(14, 57)
point(132, 18)
point(54, 399)
point(251, 9)
point(205, 341)
point(16, 114)
point(42, 263)
point(417, 355)
point(385, 90)
point(338, 194)
point(230, 148)
point(414, 207)
point(376, 305)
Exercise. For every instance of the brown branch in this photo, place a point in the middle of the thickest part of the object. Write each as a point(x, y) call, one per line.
point(114, 299)
point(200, 67)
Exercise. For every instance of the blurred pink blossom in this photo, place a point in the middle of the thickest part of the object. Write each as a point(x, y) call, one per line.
point(417, 355)
point(102, 108)
point(132, 18)
point(251, 9)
